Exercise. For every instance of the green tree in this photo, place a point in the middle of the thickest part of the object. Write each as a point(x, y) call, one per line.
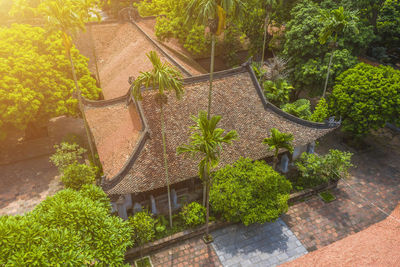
point(336, 22)
point(388, 25)
point(213, 13)
point(250, 192)
point(315, 170)
point(171, 23)
point(206, 141)
point(164, 77)
point(35, 82)
point(68, 228)
point(308, 59)
point(366, 98)
point(279, 141)
point(62, 17)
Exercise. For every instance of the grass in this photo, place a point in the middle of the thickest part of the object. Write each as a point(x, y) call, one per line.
point(327, 196)
point(143, 262)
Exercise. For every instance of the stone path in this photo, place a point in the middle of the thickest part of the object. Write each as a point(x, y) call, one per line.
point(269, 244)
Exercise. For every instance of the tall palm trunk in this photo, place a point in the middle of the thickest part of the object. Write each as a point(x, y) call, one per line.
point(78, 91)
point(327, 75)
point(165, 161)
point(209, 99)
point(207, 184)
point(211, 75)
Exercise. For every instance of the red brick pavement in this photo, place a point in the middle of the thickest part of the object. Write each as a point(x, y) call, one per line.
point(192, 252)
point(376, 177)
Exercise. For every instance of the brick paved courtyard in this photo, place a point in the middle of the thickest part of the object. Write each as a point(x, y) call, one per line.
point(376, 176)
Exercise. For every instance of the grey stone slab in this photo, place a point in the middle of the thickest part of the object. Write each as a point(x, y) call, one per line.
point(269, 244)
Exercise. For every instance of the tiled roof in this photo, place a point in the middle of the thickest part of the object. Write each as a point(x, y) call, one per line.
point(116, 129)
point(237, 98)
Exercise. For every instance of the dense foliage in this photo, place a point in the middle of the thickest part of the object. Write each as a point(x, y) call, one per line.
point(300, 108)
point(76, 175)
point(193, 214)
point(34, 12)
point(143, 226)
point(366, 98)
point(173, 23)
point(315, 169)
point(278, 93)
point(36, 82)
point(250, 192)
point(308, 58)
point(69, 228)
point(383, 16)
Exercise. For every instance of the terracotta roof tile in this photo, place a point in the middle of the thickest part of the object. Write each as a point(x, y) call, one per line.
point(236, 100)
point(116, 129)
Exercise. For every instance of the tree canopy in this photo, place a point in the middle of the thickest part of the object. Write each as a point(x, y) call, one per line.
point(36, 82)
point(366, 98)
point(71, 228)
point(249, 192)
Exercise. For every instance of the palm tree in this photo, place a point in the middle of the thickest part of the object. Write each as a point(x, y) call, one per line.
point(165, 78)
point(278, 141)
point(206, 140)
point(335, 23)
point(62, 17)
point(212, 13)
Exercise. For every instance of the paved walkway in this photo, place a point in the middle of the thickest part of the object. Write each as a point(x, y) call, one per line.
point(269, 244)
point(376, 176)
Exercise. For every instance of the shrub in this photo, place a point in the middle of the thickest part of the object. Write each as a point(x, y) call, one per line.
point(193, 214)
point(366, 98)
point(66, 229)
point(321, 111)
point(76, 175)
point(315, 169)
point(300, 108)
point(143, 226)
point(67, 154)
point(277, 92)
point(250, 192)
